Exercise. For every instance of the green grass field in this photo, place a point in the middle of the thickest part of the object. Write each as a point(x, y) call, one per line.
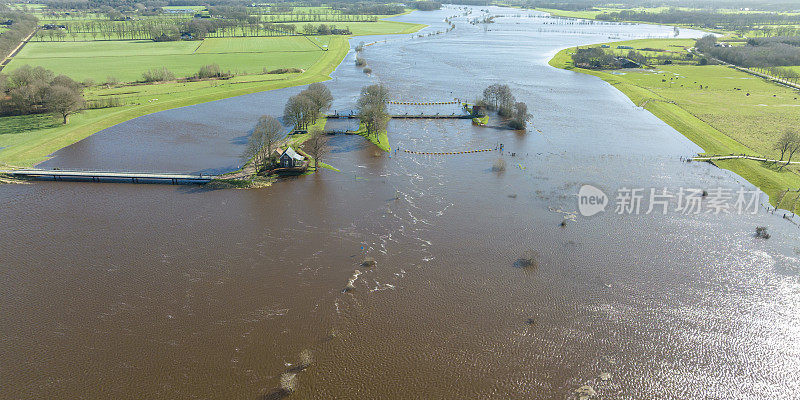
point(27, 140)
point(127, 60)
point(734, 112)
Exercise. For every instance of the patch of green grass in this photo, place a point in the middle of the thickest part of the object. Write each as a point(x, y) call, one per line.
point(32, 146)
point(733, 112)
point(381, 139)
point(481, 120)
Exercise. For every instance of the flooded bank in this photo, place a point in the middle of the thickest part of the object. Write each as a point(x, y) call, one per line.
point(120, 290)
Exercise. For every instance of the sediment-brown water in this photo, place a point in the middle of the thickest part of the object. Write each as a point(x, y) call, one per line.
point(156, 291)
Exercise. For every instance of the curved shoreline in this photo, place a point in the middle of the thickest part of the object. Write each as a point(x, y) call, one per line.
point(37, 147)
point(710, 139)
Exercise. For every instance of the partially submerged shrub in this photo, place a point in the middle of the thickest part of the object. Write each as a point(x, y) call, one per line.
point(499, 165)
point(288, 382)
point(360, 62)
point(369, 262)
point(306, 359)
point(761, 232)
point(528, 260)
point(367, 70)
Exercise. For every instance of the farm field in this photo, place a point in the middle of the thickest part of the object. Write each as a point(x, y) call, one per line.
point(27, 140)
point(127, 60)
point(733, 112)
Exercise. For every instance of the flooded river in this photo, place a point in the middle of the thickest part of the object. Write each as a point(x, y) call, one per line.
point(158, 291)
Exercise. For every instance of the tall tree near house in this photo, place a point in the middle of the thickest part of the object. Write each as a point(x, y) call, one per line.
point(316, 148)
point(266, 135)
point(64, 101)
point(272, 132)
point(298, 111)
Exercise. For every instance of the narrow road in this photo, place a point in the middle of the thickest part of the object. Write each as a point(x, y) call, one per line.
point(17, 49)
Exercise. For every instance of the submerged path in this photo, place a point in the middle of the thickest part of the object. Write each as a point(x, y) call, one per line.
point(111, 176)
point(732, 157)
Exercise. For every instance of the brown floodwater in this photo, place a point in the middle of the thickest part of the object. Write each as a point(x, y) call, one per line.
point(158, 291)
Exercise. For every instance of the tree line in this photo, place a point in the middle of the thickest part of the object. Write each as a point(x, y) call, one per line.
point(19, 25)
point(425, 5)
point(164, 29)
point(29, 90)
point(755, 53)
point(704, 18)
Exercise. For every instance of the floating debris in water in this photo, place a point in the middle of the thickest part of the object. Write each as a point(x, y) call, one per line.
point(605, 376)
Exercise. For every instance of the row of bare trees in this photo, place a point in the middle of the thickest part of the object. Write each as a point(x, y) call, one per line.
point(162, 29)
point(307, 107)
point(19, 25)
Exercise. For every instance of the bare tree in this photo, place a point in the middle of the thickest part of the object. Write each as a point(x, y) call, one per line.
point(519, 116)
point(64, 101)
point(321, 97)
point(793, 147)
point(266, 134)
point(298, 111)
point(786, 142)
point(316, 148)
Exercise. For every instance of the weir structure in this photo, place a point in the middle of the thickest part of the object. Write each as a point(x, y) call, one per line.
point(111, 176)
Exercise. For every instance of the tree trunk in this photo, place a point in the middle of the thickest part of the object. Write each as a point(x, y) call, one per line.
point(66, 118)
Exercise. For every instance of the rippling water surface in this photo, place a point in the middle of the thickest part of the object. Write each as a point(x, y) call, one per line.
point(150, 291)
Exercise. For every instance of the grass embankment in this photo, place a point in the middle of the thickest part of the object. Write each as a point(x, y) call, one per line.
point(733, 112)
point(27, 140)
point(381, 139)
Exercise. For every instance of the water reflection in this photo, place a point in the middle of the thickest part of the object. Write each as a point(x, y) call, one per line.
point(116, 290)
